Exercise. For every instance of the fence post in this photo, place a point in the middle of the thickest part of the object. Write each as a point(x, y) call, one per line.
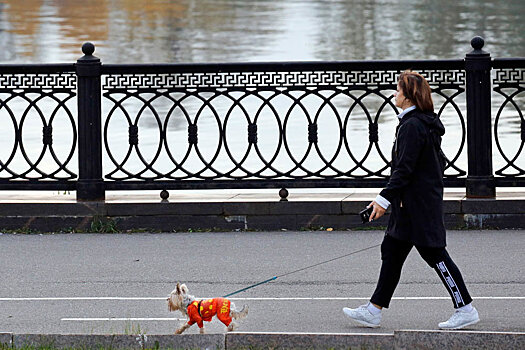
point(90, 185)
point(480, 179)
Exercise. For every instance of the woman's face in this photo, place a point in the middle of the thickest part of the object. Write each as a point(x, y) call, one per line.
point(399, 97)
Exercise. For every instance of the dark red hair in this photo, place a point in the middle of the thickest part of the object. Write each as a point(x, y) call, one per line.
point(417, 90)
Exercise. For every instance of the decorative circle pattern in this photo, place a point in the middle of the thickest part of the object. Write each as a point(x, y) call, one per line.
point(325, 125)
point(29, 102)
point(509, 86)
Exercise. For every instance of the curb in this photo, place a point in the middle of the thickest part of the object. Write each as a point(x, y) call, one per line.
point(263, 215)
point(399, 340)
point(240, 341)
point(6, 339)
point(408, 340)
point(114, 342)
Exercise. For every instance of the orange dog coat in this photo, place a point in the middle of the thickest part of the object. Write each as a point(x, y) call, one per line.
point(204, 310)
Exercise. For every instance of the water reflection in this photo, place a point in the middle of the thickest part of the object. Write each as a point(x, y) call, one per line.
point(241, 30)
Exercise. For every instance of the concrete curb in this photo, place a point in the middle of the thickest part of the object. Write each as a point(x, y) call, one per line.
point(6, 339)
point(117, 341)
point(60, 341)
point(408, 340)
point(399, 340)
point(275, 215)
point(240, 341)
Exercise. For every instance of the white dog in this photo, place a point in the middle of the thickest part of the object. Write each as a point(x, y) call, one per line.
point(198, 311)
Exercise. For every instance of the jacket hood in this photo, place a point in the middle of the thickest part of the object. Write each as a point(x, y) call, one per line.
point(433, 121)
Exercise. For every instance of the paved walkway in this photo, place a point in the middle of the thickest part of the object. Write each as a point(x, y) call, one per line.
point(236, 195)
point(98, 284)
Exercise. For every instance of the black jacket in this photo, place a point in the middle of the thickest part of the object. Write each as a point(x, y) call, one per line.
point(415, 188)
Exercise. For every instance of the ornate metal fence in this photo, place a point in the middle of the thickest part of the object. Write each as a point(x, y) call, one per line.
point(509, 84)
point(293, 99)
point(259, 125)
point(37, 105)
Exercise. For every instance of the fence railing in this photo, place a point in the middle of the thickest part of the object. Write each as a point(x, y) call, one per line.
point(251, 125)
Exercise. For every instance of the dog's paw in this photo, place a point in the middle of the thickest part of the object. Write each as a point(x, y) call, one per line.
point(202, 331)
point(233, 326)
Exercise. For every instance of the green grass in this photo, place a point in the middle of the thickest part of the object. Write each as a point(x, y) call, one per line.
point(132, 328)
point(104, 225)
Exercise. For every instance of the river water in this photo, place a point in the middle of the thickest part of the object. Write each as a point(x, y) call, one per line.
point(134, 31)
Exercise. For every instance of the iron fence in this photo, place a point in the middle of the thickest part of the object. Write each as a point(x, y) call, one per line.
point(251, 125)
point(32, 98)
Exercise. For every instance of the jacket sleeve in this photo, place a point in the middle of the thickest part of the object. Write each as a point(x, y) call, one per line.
point(409, 143)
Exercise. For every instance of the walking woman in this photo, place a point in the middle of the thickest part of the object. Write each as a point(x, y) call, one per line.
point(415, 192)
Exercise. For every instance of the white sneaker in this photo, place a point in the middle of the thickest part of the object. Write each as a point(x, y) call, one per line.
point(461, 319)
point(362, 316)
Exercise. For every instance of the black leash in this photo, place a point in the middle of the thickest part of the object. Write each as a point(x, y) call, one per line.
point(301, 269)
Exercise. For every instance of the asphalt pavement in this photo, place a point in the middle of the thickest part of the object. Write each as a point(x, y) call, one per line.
point(117, 283)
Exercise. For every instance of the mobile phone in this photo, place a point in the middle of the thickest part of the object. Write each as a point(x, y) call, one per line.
point(365, 214)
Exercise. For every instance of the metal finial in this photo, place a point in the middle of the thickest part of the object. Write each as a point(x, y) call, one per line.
point(88, 48)
point(477, 42)
point(283, 193)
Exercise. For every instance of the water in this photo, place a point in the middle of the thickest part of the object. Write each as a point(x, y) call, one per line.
point(132, 31)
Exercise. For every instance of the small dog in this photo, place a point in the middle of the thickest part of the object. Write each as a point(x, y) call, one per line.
point(198, 311)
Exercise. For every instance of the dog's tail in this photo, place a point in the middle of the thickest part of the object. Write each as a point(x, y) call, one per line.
point(238, 315)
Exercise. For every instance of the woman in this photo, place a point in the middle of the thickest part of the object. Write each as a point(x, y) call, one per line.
point(415, 192)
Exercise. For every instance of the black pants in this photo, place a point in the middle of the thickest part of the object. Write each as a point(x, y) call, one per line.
point(393, 255)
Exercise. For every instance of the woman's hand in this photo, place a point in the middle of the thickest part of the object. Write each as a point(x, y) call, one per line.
point(377, 212)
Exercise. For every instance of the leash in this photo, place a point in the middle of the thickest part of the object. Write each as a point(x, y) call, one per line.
point(299, 270)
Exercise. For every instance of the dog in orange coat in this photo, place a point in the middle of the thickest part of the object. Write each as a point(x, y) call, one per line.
point(199, 311)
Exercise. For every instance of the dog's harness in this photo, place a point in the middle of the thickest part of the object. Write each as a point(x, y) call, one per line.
point(199, 307)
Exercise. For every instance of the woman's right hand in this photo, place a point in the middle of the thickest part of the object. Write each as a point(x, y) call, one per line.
point(377, 212)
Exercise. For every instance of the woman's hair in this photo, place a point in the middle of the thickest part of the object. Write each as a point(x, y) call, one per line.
point(416, 89)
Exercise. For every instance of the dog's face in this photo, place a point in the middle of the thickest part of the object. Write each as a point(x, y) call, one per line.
point(176, 297)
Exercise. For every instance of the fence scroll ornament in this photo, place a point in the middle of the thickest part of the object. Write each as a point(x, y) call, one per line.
point(37, 101)
point(509, 83)
point(251, 125)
